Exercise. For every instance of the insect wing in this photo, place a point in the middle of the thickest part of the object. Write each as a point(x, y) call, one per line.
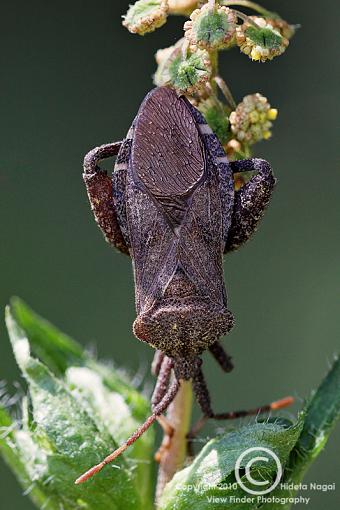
point(167, 163)
point(201, 240)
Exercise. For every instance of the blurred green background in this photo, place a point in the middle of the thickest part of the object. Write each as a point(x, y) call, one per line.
point(71, 78)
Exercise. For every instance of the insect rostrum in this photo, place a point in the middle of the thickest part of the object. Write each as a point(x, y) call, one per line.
point(171, 206)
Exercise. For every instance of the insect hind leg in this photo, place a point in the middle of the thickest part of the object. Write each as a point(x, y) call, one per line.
point(203, 398)
point(222, 358)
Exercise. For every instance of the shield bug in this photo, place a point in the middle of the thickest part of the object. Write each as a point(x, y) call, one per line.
point(172, 207)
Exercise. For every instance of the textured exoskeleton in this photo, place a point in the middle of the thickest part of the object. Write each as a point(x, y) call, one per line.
point(171, 205)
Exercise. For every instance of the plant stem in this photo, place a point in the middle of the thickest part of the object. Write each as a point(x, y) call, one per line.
point(173, 455)
point(212, 5)
point(245, 18)
point(246, 3)
point(225, 91)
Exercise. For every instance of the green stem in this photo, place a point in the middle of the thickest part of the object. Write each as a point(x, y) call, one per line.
point(225, 91)
point(214, 69)
point(245, 18)
point(246, 3)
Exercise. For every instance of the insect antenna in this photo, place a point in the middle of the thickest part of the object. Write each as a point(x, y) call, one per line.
point(158, 410)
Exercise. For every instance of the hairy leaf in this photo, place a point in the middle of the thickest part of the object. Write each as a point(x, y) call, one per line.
point(211, 479)
point(75, 419)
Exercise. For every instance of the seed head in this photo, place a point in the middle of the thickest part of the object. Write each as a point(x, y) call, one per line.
point(164, 57)
point(187, 73)
point(261, 42)
point(251, 121)
point(146, 15)
point(211, 29)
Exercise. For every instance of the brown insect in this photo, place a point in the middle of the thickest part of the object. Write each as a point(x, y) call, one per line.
point(171, 205)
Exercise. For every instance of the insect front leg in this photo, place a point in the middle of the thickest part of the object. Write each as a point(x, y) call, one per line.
point(250, 201)
point(99, 190)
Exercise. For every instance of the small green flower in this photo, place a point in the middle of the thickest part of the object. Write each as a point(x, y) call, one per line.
point(188, 74)
point(191, 73)
point(146, 15)
point(211, 29)
point(251, 121)
point(260, 41)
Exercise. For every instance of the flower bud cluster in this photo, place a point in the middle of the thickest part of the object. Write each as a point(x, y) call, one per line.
point(252, 119)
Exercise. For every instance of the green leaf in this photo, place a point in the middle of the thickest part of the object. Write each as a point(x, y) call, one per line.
point(321, 415)
point(59, 351)
point(63, 356)
point(210, 479)
point(12, 456)
point(212, 473)
point(76, 419)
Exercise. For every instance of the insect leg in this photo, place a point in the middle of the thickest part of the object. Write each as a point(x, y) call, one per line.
point(222, 358)
point(202, 393)
point(278, 404)
point(99, 190)
point(158, 410)
point(203, 398)
point(157, 362)
point(251, 201)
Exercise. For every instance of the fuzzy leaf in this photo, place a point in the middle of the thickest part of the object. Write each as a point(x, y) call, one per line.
point(322, 413)
point(65, 357)
point(211, 480)
point(59, 351)
point(74, 422)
